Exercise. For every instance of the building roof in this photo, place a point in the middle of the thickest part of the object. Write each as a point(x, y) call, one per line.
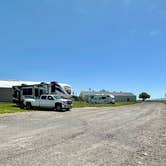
point(84, 93)
point(11, 83)
point(122, 94)
point(96, 93)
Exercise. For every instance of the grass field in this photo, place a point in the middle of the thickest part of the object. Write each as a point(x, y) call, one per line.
point(164, 102)
point(11, 108)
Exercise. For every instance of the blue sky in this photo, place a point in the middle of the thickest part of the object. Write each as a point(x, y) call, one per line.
point(118, 45)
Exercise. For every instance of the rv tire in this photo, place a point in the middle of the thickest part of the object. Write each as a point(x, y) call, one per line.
point(28, 106)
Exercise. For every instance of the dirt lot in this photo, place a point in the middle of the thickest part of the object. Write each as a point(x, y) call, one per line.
point(128, 135)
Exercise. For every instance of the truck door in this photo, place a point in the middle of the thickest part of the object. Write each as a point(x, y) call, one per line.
point(43, 101)
point(50, 102)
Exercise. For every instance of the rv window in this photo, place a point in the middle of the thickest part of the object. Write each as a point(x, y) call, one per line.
point(53, 88)
point(103, 98)
point(43, 97)
point(68, 90)
point(36, 93)
point(41, 92)
point(27, 91)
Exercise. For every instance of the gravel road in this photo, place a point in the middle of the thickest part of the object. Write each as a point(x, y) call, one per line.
point(120, 136)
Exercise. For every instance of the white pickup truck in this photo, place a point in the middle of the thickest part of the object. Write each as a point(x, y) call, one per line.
point(48, 101)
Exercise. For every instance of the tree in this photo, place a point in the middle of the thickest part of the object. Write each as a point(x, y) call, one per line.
point(144, 96)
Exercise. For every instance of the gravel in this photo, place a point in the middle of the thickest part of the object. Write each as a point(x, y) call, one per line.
point(121, 136)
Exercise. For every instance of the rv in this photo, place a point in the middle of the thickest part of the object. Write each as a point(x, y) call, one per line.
point(101, 99)
point(35, 91)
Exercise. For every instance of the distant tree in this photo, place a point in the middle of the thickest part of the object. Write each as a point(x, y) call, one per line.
point(144, 96)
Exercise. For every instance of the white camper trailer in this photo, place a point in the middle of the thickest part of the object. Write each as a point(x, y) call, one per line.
point(101, 99)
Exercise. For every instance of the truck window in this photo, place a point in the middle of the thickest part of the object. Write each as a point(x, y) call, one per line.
point(27, 91)
point(50, 98)
point(44, 97)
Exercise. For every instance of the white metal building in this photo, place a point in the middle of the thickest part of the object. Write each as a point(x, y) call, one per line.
point(118, 96)
point(6, 91)
point(124, 96)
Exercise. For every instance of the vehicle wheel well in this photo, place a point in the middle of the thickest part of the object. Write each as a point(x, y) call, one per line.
point(58, 104)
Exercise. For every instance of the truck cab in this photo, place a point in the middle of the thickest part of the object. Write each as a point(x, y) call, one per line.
point(49, 101)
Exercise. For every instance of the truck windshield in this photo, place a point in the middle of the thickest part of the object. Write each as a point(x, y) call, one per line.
point(59, 97)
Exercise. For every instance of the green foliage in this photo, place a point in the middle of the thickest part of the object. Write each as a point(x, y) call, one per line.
point(12, 108)
point(144, 96)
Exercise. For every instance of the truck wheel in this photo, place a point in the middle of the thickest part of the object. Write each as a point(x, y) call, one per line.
point(58, 107)
point(68, 109)
point(28, 106)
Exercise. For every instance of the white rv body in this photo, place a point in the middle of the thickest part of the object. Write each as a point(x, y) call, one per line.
point(102, 99)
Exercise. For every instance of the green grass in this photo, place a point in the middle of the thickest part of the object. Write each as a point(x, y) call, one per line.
point(84, 104)
point(12, 108)
point(157, 101)
point(9, 108)
point(164, 102)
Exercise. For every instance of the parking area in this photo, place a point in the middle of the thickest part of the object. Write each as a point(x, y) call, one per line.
point(126, 135)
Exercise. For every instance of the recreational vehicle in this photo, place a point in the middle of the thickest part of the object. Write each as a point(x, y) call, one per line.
point(35, 91)
point(101, 99)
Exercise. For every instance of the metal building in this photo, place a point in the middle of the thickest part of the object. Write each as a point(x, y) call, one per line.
point(6, 91)
point(118, 96)
point(124, 96)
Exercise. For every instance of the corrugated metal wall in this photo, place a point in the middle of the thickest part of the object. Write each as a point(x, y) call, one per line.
point(125, 98)
point(6, 94)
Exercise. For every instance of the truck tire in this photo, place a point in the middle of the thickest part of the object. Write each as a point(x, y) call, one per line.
point(58, 107)
point(28, 106)
point(68, 109)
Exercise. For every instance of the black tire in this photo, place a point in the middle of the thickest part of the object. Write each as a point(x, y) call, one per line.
point(68, 109)
point(22, 106)
point(58, 107)
point(28, 106)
